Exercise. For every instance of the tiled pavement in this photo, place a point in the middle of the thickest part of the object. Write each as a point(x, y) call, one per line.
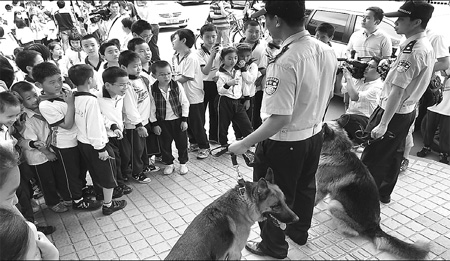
point(158, 213)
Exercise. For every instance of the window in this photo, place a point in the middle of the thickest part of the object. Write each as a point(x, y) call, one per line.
point(338, 20)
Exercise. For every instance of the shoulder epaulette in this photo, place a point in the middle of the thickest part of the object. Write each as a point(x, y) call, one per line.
point(409, 47)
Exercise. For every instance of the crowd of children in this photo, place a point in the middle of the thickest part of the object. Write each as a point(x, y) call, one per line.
point(111, 110)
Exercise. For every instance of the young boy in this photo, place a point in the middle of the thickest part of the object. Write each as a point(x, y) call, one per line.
point(26, 60)
point(126, 27)
point(110, 100)
point(89, 43)
point(187, 71)
point(10, 110)
point(142, 29)
point(140, 46)
point(74, 55)
point(325, 33)
point(169, 114)
point(136, 115)
point(209, 63)
point(109, 52)
point(92, 137)
point(58, 108)
point(37, 154)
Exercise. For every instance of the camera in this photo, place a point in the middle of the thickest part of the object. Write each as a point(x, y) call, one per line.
point(100, 14)
point(356, 68)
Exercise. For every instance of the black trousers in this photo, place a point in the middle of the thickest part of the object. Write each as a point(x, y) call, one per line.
point(352, 123)
point(121, 149)
point(294, 166)
point(210, 88)
point(171, 131)
point(138, 156)
point(231, 110)
point(103, 172)
point(237, 131)
point(435, 120)
point(256, 119)
point(48, 177)
point(24, 192)
point(196, 126)
point(384, 157)
point(71, 170)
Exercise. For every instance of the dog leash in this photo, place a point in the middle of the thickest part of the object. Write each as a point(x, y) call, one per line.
point(249, 156)
point(240, 180)
point(360, 134)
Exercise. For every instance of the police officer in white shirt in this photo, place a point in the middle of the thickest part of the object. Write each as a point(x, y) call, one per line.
point(405, 83)
point(299, 82)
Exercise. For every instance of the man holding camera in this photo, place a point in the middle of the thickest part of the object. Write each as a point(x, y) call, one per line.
point(113, 26)
point(405, 83)
point(363, 95)
point(370, 41)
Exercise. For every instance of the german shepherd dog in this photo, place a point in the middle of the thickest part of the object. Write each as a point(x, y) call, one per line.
point(221, 230)
point(354, 195)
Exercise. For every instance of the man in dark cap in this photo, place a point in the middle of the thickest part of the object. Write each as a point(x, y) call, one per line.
point(405, 83)
point(299, 81)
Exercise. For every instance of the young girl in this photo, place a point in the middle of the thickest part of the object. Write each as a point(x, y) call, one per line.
point(229, 87)
point(57, 56)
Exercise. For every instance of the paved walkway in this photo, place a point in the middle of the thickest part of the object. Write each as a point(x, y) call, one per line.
point(159, 212)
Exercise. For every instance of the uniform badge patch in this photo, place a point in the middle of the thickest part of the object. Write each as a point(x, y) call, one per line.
point(271, 85)
point(403, 66)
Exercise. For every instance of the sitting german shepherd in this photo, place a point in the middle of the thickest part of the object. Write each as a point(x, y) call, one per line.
point(354, 195)
point(221, 230)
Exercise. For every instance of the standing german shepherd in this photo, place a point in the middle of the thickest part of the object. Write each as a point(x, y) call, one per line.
point(354, 195)
point(221, 230)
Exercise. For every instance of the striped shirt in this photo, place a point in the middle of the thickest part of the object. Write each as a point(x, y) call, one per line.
point(220, 19)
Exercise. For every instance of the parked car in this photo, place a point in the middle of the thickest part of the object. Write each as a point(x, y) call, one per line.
point(189, 1)
point(169, 14)
point(345, 23)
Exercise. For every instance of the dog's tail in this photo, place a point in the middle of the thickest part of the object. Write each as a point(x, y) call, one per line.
point(383, 241)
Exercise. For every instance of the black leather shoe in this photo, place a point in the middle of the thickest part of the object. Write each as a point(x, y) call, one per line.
point(253, 247)
point(385, 199)
point(47, 230)
point(298, 237)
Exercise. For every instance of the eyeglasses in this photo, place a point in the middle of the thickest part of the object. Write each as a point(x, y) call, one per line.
point(122, 85)
point(146, 37)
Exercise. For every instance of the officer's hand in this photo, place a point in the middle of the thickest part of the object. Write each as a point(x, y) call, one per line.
point(378, 131)
point(51, 156)
point(118, 133)
point(238, 147)
point(347, 74)
point(184, 126)
point(157, 130)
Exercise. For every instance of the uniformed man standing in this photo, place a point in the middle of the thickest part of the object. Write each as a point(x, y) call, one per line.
point(405, 83)
point(299, 82)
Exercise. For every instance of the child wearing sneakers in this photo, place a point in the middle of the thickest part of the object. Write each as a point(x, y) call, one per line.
point(110, 100)
point(187, 71)
point(92, 137)
point(169, 114)
point(58, 108)
point(38, 155)
point(136, 106)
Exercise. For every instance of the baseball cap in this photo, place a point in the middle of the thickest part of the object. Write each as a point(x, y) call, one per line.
point(414, 10)
point(289, 10)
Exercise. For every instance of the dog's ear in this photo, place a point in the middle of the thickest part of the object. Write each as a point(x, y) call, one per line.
point(262, 189)
point(269, 176)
